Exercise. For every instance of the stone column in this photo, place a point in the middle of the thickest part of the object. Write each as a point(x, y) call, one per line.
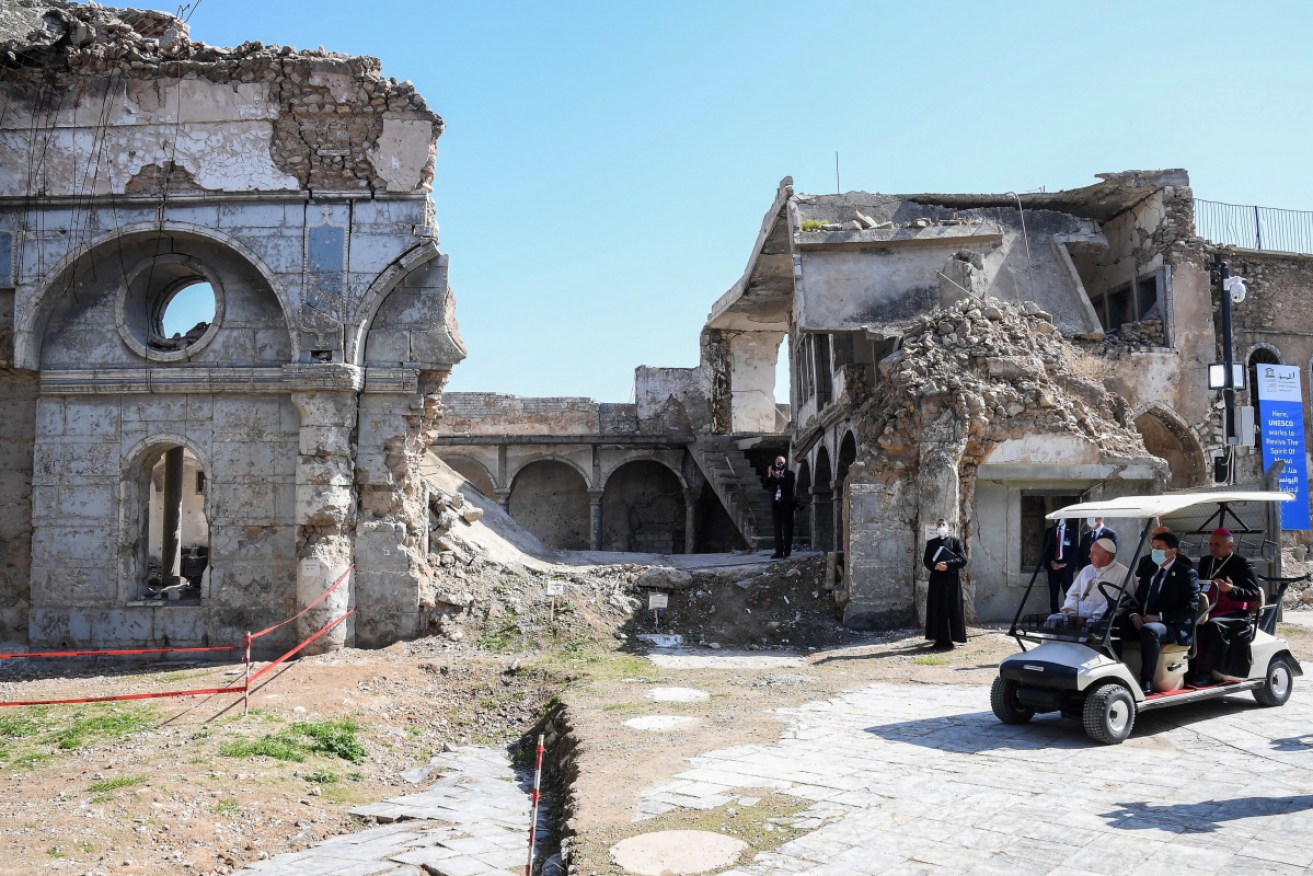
point(690, 522)
point(595, 518)
point(822, 520)
point(504, 499)
point(171, 558)
point(325, 511)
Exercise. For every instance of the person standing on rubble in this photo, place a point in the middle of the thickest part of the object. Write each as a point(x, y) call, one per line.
point(780, 480)
point(945, 617)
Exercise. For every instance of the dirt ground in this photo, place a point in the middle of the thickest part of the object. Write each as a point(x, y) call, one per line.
point(172, 786)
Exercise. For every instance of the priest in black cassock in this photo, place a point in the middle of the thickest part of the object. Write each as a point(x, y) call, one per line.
point(945, 617)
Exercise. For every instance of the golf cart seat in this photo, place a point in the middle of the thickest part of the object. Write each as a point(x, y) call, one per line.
point(1174, 660)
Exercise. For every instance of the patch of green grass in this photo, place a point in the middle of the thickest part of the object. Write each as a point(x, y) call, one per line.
point(102, 798)
point(114, 784)
point(23, 723)
point(415, 731)
point(332, 738)
point(85, 726)
point(56, 852)
point(812, 225)
point(501, 635)
point(225, 807)
point(86, 848)
point(930, 660)
point(29, 759)
point(321, 777)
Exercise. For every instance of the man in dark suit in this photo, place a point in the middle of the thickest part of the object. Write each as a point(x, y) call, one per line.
point(1059, 559)
point(780, 481)
point(1095, 532)
point(1168, 604)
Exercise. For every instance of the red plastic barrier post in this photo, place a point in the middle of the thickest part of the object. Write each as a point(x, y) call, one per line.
point(533, 818)
point(246, 679)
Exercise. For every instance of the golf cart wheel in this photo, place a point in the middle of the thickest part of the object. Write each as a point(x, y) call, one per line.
point(1003, 700)
point(1278, 684)
point(1109, 714)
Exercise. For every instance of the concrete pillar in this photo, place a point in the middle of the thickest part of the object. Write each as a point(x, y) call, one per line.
point(171, 558)
point(325, 513)
point(595, 518)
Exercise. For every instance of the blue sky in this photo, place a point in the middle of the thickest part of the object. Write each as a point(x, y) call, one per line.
point(606, 165)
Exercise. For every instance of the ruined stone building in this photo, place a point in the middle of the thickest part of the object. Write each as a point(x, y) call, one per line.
point(983, 358)
point(185, 487)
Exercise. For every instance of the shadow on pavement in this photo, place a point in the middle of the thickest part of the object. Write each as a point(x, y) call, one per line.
point(1203, 817)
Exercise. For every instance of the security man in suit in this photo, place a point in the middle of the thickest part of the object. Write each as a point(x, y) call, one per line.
point(1168, 605)
point(1059, 559)
point(1095, 532)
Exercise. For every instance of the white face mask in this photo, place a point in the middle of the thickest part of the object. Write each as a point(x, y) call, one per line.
point(1091, 522)
point(942, 530)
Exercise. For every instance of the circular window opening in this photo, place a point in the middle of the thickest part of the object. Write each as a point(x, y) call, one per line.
point(186, 314)
point(170, 308)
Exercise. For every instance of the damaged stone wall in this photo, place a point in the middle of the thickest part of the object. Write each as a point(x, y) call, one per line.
point(295, 185)
point(966, 380)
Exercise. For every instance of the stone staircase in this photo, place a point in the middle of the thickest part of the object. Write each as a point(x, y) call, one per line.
point(735, 467)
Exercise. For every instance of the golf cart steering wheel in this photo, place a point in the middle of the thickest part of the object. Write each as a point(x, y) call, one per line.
point(1110, 591)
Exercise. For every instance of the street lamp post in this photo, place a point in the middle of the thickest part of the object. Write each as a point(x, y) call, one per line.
point(1233, 292)
point(1228, 385)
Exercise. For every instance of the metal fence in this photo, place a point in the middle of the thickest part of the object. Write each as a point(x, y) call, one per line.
point(1265, 228)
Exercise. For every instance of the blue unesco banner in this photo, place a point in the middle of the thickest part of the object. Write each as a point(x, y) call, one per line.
point(1281, 423)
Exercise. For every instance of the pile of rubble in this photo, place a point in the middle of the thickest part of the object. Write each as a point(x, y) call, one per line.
point(1006, 369)
point(1137, 337)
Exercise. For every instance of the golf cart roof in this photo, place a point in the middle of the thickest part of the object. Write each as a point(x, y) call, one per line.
point(1167, 503)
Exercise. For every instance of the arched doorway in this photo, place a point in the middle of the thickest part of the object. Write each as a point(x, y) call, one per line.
point(175, 549)
point(1164, 436)
point(847, 456)
point(473, 472)
point(823, 504)
point(643, 509)
point(550, 499)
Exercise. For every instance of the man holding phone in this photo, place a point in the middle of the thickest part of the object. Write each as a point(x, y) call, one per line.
point(779, 481)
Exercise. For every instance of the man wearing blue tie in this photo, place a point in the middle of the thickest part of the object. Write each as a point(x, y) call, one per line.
point(1168, 599)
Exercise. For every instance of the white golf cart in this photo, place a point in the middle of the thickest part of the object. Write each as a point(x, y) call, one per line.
point(1074, 667)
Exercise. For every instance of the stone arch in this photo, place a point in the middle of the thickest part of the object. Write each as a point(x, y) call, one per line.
point(385, 284)
point(1259, 354)
point(643, 509)
point(642, 456)
point(473, 471)
point(1167, 436)
point(31, 322)
point(847, 456)
point(549, 497)
point(823, 502)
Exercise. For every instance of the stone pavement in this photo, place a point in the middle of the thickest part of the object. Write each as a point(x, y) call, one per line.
point(473, 821)
point(922, 779)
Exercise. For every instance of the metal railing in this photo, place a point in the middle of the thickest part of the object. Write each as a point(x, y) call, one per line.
point(1250, 227)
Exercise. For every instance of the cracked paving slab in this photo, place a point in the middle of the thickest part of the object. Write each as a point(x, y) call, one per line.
point(923, 779)
point(473, 821)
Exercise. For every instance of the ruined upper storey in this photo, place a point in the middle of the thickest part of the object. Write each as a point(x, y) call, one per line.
point(108, 101)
